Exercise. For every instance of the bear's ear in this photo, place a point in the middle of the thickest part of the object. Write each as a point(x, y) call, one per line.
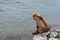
point(36, 14)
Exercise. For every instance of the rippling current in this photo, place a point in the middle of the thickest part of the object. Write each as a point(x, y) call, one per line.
point(16, 22)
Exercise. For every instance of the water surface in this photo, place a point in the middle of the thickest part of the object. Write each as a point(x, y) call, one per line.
point(16, 17)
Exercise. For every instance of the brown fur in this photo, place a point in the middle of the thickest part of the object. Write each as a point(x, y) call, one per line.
point(41, 25)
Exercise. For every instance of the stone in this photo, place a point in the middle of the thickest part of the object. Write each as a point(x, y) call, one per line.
point(53, 39)
point(39, 37)
point(53, 34)
point(57, 30)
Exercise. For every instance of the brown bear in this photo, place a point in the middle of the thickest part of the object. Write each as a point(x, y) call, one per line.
point(41, 25)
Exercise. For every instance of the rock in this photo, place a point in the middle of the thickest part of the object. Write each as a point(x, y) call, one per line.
point(53, 34)
point(39, 37)
point(53, 39)
point(57, 30)
point(45, 34)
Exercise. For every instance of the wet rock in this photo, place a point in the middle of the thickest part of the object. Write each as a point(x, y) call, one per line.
point(39, 37)
point(53, 39)
point(52, 34)
point(57, 30)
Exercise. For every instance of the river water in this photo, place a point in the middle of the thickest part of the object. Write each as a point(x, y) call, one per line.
point(16, 22)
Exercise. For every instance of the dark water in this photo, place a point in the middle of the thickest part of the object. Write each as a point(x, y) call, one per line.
point(16, 21)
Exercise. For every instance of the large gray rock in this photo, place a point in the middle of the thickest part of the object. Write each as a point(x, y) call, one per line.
point(43, 36)
point(39, 37)
point(53, 39)
point(52, 34)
